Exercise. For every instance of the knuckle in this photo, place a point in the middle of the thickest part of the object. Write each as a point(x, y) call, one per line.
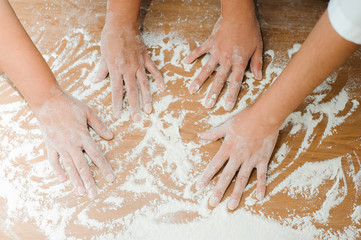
point(242, 179)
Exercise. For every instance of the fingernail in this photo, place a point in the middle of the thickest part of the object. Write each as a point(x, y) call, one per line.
point(162, 86)
point(229, 106)
point(193, 88)
point(260, 196)
point(110, 177)
point(136, 117)
point(209, 103)
point(81, 191)
point(61, 178)
point(117, 114)
point(148, 108)
point(92, 193)
point(259, 75)
point(214, 201)
point(199, 185)
point(232, 204)
point(109, 134)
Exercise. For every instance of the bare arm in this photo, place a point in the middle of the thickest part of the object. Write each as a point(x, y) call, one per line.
point(22, 62)
point(125, 58)
point(251, 135)
point(321, 54)
point(63, 120)
point(235, 40)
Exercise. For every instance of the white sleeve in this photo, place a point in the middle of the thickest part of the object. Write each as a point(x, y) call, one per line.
point(345, 18)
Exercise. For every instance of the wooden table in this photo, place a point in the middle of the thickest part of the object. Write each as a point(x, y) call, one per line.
point(68, 33)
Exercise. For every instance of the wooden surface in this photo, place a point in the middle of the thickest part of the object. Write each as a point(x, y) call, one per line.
point(283, 24)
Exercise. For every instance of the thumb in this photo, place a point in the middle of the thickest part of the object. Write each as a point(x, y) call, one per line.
point(215, 133)
point(98, 126)
point(199, 51)
point(102, 71)
point(256, 63)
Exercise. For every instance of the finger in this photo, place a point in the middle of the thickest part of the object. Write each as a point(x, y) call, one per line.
point(98, 125)
point(203, 75)
point(234, 88)
point(117, 91)
point(133, 96)
point(261, 179)
point(102, 71)
point(199, 51)
point(73, 173)
point(215, 133)
point(145, 90)
point(85, 174)
point(256, 63)
point(149, 64)
point(224, 181)
point(55, 164)
point(98, 158)
point(217, 86)
point(213, 167)
point(241, 182)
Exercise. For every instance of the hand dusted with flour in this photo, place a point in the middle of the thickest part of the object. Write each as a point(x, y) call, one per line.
point(63, 122)
point(235, 39)
point(248, 143)
point(125, 57)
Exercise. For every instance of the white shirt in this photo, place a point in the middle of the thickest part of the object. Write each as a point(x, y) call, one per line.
point(345, 17)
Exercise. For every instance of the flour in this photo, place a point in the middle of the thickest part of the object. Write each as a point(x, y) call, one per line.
point(154, 196)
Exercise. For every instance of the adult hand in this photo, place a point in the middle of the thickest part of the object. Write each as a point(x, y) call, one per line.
point(248, 143)
point(231, 45)
point(125, 58)
point(64, 123)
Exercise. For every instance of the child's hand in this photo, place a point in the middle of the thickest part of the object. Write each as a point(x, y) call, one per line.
point(231, 45)
point(248, 143)
point(125, 58)
point(64, 123)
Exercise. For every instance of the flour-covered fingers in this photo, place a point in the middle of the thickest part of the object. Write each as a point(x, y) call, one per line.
point(84, 172)
point(203, 75)
point(215, 133)
point(73, 173)
point(217, 85)
point(224, 181)
point(256, 63)
point(261, 179)
point(145, 90)
point(234, 88)
point(102, 71)
point(116, 80)
point(133, 96)
point(98, 158)
point(97, 124)
point(149, 64)
point(199, 51)
point(55, 164)
point(213, 167)
point(241, 182)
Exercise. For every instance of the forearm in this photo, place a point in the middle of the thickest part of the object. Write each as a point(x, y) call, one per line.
point(22, 62)
point(321, 54)
point(234, 10)
point(123, 11)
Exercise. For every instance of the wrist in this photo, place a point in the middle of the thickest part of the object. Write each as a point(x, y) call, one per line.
point(268, 119)
point(123, 12)
point(37, 103)
point(236, 10)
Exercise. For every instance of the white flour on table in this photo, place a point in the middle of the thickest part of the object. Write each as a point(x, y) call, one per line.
point(159, 172)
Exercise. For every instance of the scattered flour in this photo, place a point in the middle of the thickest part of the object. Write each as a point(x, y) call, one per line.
point(158, 173)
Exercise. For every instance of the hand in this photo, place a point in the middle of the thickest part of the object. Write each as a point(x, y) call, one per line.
point(125, 58)
point(63, 121)
point(231, 45)
point(248, 143)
